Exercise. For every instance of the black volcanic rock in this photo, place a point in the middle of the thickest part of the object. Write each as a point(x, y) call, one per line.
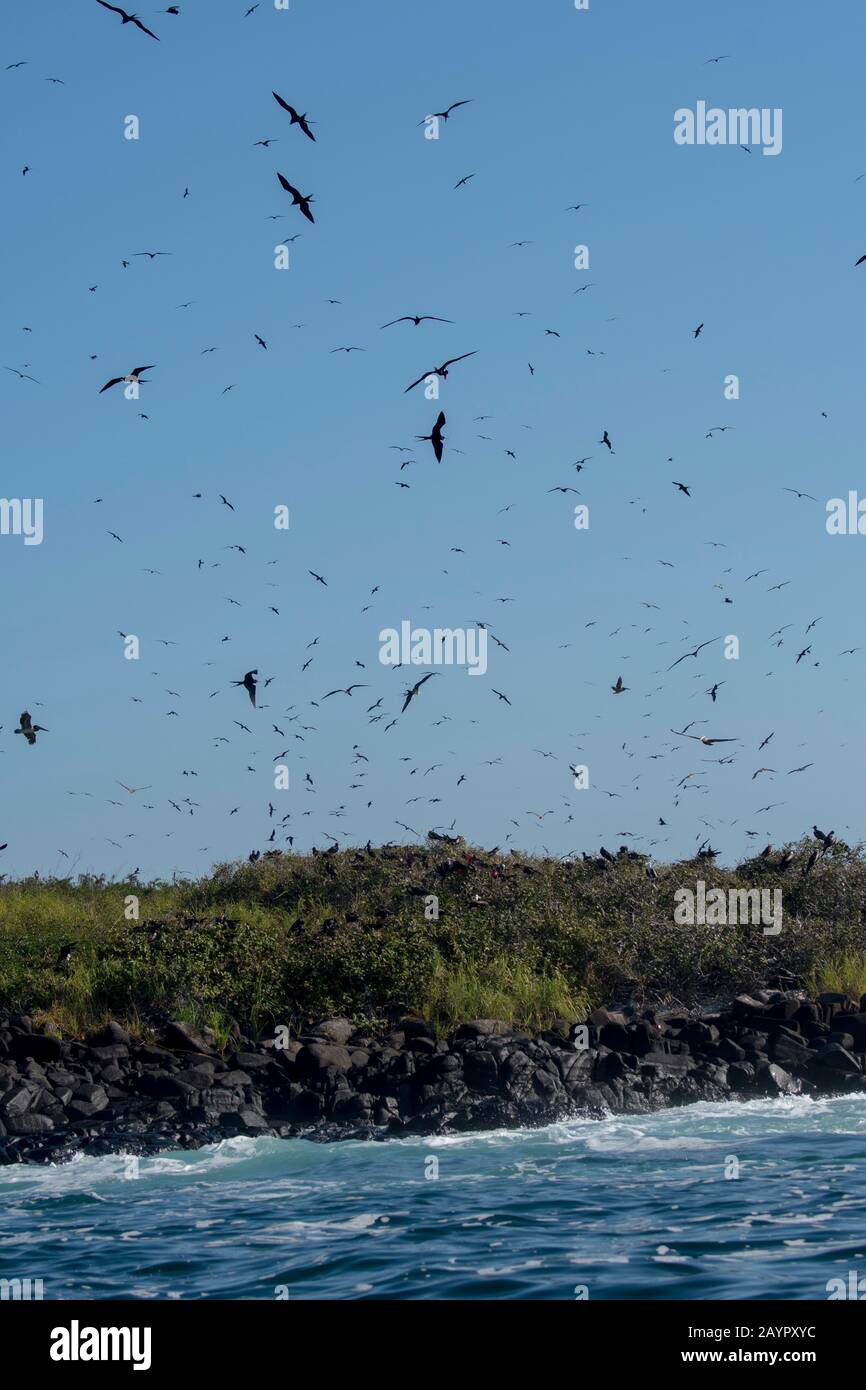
point(114, 1094)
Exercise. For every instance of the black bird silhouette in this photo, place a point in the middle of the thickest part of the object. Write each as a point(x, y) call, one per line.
point(298, 199)
point(694, 653)
point(249, 684)
point(605, 439)
point(696, 331)
point(409, 695)
point(132, 376)
point(440, 371)
point(318, 578)
point(297, 119)
point(619, 687)
point(345, 691)
point(708, 742)
point(22, 376)
point(128, 18)
point(29, 729)
point(436, 438)
point(416, 319)
point(443, 115)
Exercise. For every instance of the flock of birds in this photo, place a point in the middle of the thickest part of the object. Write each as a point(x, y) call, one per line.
point(291, 725)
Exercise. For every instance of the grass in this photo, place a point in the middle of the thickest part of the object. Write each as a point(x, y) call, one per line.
point(508, 990)
point(844, 973)
point(292, 938)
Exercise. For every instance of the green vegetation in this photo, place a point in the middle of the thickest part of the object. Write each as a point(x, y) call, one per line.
point(844, 973)
point(291, 938)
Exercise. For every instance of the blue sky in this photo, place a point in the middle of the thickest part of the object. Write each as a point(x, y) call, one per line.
point(566, 107)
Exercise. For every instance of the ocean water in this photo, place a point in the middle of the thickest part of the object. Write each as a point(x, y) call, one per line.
point(626, 1208)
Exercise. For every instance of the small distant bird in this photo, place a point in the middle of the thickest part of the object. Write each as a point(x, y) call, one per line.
point(619, 688)
point(440, 371)
point(443, 115)
point(130, 377)
point(22, 376)
point(696, 331)
point(708, 742)
point(29, 729)
point(416, 319)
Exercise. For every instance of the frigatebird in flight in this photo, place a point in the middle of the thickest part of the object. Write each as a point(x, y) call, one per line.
point(298, 199)
point(128, 18)
point(440, 371)
point(297, 118)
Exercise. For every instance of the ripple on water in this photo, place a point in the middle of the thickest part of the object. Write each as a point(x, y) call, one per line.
point(630, 1207)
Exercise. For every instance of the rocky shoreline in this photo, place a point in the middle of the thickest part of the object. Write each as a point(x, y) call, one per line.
point(110, 1094)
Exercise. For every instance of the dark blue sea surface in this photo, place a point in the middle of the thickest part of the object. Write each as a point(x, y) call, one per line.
point(625, 1208)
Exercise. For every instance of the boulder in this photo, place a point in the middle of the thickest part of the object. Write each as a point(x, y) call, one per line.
point(317, 1057)
point(774, 1080)
point(29, 1124)
point(835, 1057)
point(337, 1030)
point(182, 1037)
point(42, 1047)
point(110, 1035)
point(482, 1028)
point(480, 1071)
point(601, 1017)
